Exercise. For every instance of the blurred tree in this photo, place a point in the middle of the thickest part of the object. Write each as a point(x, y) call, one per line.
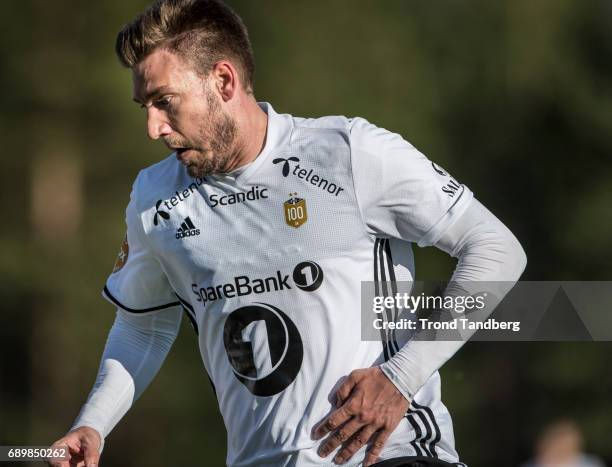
point(513, 97)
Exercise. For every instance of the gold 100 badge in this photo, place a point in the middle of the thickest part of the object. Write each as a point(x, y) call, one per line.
point(295, 211)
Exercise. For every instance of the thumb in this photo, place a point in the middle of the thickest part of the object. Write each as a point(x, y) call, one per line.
point(91, 441)
point(91, 458)
point(91, 454)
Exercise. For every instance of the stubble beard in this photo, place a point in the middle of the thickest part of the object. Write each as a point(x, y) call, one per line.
point(220, 131)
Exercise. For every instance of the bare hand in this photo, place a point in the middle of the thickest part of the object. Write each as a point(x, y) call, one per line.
point(83, 447)
point(369, 409)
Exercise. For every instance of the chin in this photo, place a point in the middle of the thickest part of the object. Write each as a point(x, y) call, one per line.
point(208, 165)
point(195, 172)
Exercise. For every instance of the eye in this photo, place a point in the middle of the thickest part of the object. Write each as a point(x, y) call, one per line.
point(163, 102)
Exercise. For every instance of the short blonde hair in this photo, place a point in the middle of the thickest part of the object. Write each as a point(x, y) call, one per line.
point(201, 31)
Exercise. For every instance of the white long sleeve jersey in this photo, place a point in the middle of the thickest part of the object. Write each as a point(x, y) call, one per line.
point(268, 263)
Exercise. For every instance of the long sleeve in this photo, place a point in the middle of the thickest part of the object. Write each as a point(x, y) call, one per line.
point(487, 252)
point(136, 347)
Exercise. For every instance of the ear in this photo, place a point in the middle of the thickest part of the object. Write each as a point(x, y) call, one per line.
point(225, 79)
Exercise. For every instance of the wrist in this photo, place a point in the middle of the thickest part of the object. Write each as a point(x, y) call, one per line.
point(392, 376)
point(96, 432)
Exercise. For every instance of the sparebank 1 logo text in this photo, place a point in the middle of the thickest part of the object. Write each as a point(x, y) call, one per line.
point(307, 175)
point(306, 276)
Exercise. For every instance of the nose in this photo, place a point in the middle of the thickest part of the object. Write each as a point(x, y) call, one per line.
point(157, 125)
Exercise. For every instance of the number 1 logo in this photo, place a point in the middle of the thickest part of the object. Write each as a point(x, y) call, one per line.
point(264, 348)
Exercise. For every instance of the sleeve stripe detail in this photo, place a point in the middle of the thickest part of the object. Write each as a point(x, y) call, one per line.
point(425, 440)
point(110, 296)
point(430, 415)
point(383, 267)
point(192, 318)
point(383, 332)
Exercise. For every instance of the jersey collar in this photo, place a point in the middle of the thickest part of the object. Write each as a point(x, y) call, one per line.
point(278, 134)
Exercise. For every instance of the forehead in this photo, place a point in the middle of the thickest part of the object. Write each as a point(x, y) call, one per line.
point(161, 69)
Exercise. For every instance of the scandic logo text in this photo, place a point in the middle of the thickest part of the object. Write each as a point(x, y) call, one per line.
point(254, 194)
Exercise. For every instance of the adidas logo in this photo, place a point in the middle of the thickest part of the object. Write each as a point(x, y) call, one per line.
point(187, 229)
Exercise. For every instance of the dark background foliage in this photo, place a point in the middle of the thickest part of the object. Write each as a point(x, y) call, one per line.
point(513, 97)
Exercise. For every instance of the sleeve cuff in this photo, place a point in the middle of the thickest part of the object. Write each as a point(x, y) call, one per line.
point(455, 211)
point(396, 382)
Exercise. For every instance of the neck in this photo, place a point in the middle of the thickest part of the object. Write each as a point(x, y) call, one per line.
point(252, 124)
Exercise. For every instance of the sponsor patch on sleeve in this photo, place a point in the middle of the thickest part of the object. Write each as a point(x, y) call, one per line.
point(122, 256)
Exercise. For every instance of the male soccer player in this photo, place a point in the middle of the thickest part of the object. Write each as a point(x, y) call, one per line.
point(260, 227)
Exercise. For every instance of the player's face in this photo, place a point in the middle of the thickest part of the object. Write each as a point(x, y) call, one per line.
point(183, 109)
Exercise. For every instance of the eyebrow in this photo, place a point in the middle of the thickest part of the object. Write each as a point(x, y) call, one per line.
point(154, 93)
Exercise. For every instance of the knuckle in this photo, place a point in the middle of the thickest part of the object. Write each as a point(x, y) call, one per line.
point(340, 435)
point(353, 406)
point(348, 451)
point(330, 425)
point(389, 425)
point(377, 445)
point(356, 443)
point(345, 387)
point(354, 402)
point(365, 417)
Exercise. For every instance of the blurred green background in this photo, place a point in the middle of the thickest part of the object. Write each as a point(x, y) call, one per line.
point(513, 97)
